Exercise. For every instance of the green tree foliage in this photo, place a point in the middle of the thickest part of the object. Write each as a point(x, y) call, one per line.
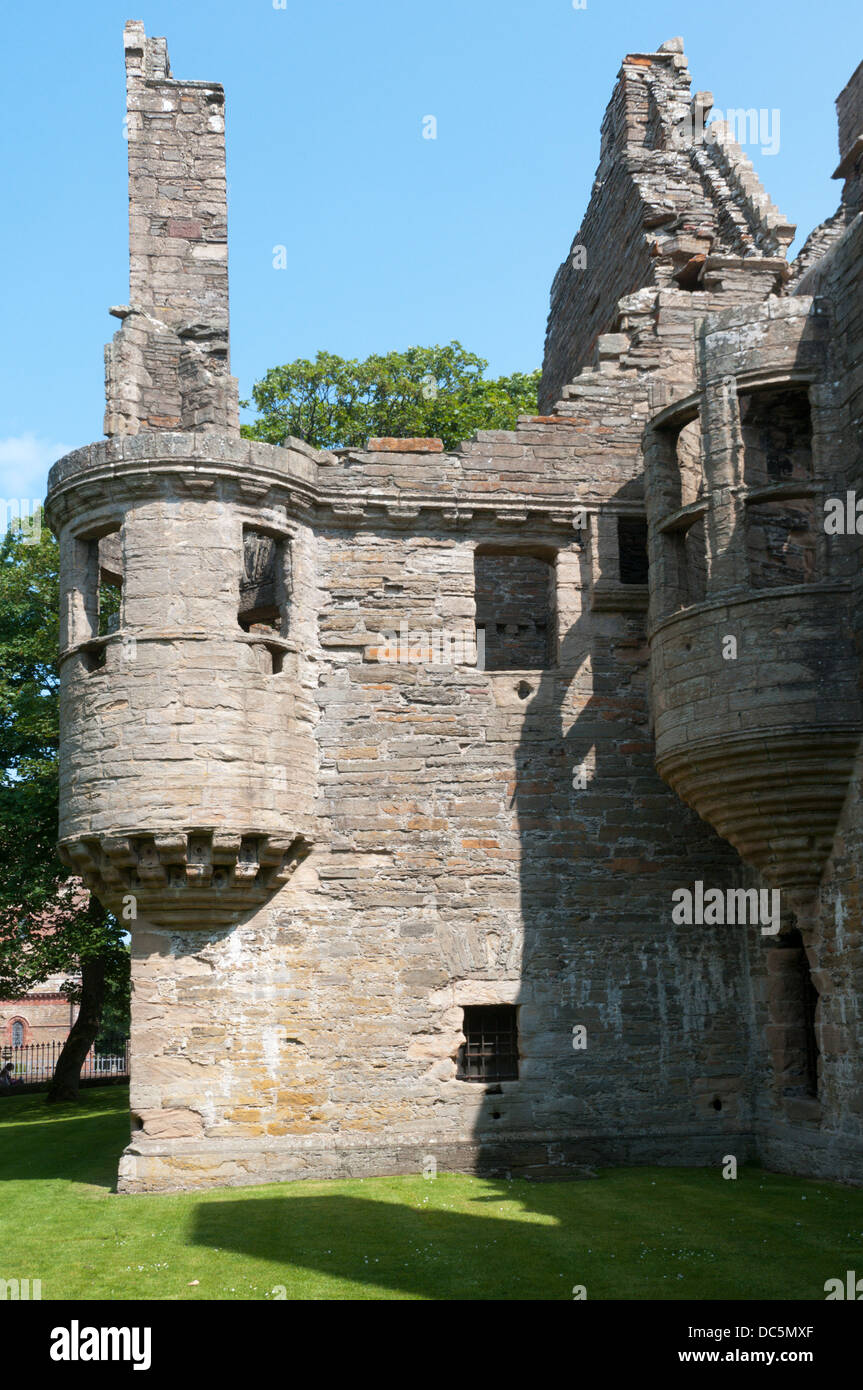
point(433, 391)
point(115, 1019)
point(49, 924)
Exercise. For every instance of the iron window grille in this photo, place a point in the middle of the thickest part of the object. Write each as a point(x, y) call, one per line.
point(490, 1049)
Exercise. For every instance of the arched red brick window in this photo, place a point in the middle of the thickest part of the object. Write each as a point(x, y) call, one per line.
point(18, 1031)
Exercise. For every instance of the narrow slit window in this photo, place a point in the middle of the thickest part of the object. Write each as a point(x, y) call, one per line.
point(794, 1018)
point(632, 549)
point(690, 464)
point(264, 593)
point(94, 587)
point(810, 1038)
point(110, 576)
point(690, 553)
point(93, 595)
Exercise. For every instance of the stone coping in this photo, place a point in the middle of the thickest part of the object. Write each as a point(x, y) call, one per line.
point(295, 460)
point(82, 481)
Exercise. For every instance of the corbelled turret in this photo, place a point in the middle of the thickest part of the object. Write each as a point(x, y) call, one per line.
point(187, 755)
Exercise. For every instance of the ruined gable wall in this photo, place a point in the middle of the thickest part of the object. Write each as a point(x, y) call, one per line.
point(812, 266)
point(670, 206)
point(849, 112)
point(610, 255)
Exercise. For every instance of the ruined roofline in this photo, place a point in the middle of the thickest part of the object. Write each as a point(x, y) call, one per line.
point(771, 229)
point(814, 259)
point(145, 58)
point(680, 125)
point(669, 197)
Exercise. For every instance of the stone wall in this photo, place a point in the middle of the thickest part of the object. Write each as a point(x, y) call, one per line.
point(764, 739)
point(338, 828)
point(455, 863)
point(825, 1135)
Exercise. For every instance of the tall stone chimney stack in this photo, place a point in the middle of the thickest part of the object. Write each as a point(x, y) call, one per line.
point(168, 366)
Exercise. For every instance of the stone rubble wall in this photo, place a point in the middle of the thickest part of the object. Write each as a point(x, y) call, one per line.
point(781, 722)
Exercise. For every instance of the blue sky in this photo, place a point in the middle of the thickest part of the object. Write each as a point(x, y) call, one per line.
point(391, 239)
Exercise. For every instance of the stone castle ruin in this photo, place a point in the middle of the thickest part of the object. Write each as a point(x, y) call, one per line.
point(393, 903)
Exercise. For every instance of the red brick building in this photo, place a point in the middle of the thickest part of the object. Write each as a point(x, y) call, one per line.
point(44, 1015)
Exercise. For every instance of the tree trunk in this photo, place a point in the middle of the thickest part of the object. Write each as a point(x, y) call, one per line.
point(82, 1035)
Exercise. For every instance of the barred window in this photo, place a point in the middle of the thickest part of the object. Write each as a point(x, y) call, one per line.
point(490, 1050)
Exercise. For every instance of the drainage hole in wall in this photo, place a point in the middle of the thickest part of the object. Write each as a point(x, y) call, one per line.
point(716, 1103)
point(523, 689)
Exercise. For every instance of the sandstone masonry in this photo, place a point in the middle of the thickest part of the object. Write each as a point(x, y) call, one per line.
point(339, 847)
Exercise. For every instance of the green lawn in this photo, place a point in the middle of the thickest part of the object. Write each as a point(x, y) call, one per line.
point(642, 1233)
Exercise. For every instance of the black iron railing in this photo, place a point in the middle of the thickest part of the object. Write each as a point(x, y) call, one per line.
point(35, 1062)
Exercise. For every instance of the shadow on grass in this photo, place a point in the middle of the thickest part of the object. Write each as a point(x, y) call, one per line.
point(75, 1142)
point(629, 1235)
point(393, 1246)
